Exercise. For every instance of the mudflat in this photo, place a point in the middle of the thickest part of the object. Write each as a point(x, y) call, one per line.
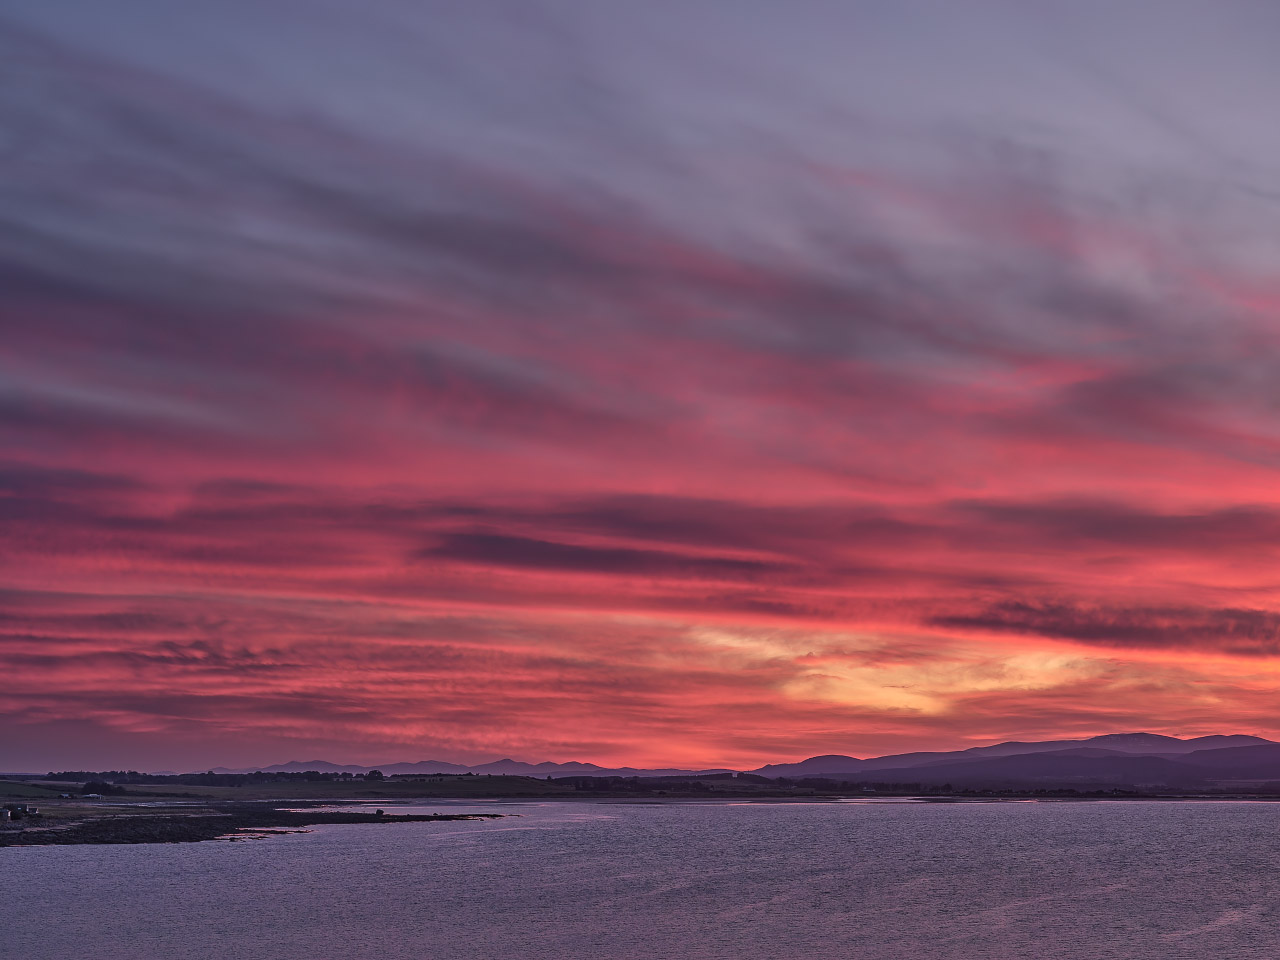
point(81, 825)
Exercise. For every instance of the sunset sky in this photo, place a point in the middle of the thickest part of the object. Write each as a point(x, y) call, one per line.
point(666, 383)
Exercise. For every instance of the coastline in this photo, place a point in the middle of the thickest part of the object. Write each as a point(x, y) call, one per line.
point(225, 822)
point(251, 819)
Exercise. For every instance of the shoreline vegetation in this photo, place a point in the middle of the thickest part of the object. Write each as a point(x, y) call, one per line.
point(44, 812)
point(64, 826)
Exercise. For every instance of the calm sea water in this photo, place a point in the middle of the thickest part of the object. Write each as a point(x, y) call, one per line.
point(678, 882)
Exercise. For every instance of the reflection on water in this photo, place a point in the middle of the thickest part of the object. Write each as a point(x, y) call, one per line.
point(1056, 881)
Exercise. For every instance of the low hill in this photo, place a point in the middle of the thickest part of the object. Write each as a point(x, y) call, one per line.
point(1130, 758)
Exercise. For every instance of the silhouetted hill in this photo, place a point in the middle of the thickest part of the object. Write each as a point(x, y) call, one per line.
point(1116, 759)
point(1059, 768)
point(1251, 763)
point(1134, 744)
point(507, 768)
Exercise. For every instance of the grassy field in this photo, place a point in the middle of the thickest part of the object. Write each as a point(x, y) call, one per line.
point(184, 800)
point(447, 787)
point(439, 787)
point(21, 790)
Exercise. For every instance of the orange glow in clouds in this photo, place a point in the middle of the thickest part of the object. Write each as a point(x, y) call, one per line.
point(534, 473)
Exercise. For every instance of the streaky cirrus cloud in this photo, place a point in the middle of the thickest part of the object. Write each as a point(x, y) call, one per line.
point(522, 380)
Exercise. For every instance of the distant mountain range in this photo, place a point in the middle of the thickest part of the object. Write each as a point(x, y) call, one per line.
point(1111, 760)
point(506, 768)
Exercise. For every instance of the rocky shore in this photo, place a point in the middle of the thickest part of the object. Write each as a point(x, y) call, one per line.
point(223, 823)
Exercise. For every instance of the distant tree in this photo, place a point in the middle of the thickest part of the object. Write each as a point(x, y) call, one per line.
point(374, 775)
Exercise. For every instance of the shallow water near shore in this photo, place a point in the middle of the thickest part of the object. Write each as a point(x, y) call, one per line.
point(1056, 881)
